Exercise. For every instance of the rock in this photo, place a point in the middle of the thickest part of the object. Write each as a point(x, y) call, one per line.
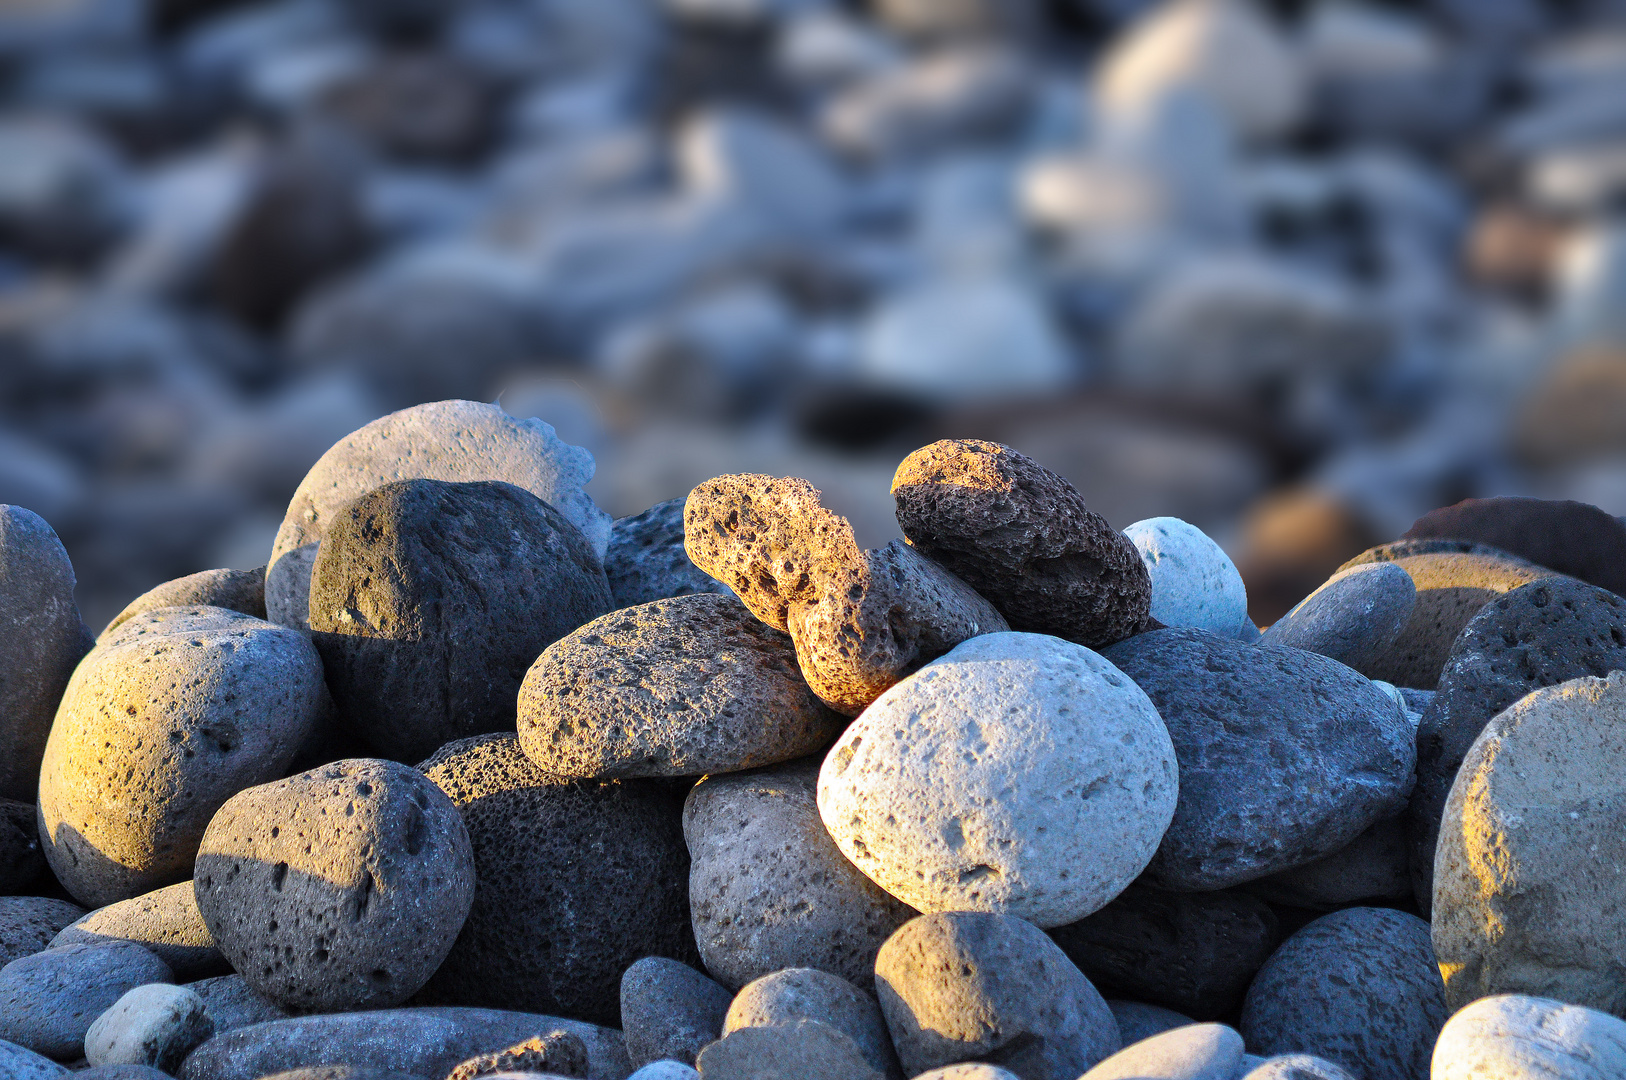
point(1358, 987)
point(1540, 634)
point(42, 640)
point(960, 986)
point(120, 1072)
point(20, 1063)
point(165, 921)
point(49, 1000)
point(422, 105)
point(680, 687)
point(236, 590)
point(21, 859)
point(961, 19)
point(1195, 952)
point(1524, 880)
point(1138, 1020)
point(1374, 866)
point(1194, 1052)
point(1516, 1037)
point(1194, 583)
point(539, 938)
point(28, 923)
point(445, 440)
point(342, 1072)
point(423, 1042)
point(72, 197)
point(1291, 541)
point(769, 889)
point(1572, 538)
point(231, 1003)
point(1297, 1067)
point(646, 561)
point(1325, 754)
point(156, 1025)
point(913, 108)
point(382, 879)
point(860, 620)
point(558, 1053)
point(796, 994)
point(968, 1070)
point(666, 1070)
point(991, 779)
point(176, 711)
point(1355, 618)
point(1022, 536)
point(418, 657)
point(803, 1049)
point(670, 1011)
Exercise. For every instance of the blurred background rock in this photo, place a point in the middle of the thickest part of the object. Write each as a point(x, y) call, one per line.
point(1296, 272)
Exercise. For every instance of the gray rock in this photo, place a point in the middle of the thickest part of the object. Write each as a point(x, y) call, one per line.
point(49, 1000)
point(1194, 1052)
point(1138, 1020)
point(342, 887)
point(236, 590)
point(670, 1011)
point(1516, 1037)
point(968, 1070)
point(1325, 754)
point(666, 1070)
point(342, 1072)
point(962, 986)
point(646, 561)
point(1374, 866)
point(28, 923)
point(41, 640)
point(1354, 618)
point(1299, 1067)
point(802, 1049)
point(1358, 987)
point(745, 156)
point(232, 1003)
point(794, 994)
point(121, 1072)
point(21, 1063)
point(166, 921)
point(156, 1025)
point(22, 860)
point(912, 108)
point(1194, 583)
point(558, 1053)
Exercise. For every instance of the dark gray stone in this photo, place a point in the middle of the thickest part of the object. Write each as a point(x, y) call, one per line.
point(121, 1072)
point(1285, 755)
point(236, 590)
point(1374, 866)
point(342, 1072)
point(167, 921)
point(232, 1003)
point(558, 1053)
point(21, 1063)
point(22, 860)
point(1137, 1020)
point(28, 923)
point(1354, 618)
point(49, 1000)
point(670, 1011)
point(646, 560)
point(803, 1050)
point(794, 994)
point(1572, 538)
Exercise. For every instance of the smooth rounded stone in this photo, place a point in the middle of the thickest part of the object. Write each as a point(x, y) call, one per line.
point(1020, 773)
point(452, 441)
point(558, 1053)
point(172, 714)
point(1573, 538)
point(1374, 866)
point(970, 985)
point(21, 1063)
point(1355, 618)
point(1193, 1052)
point(22, 860)
point(769, 889)
point(157, 1025)
point(666, 1070)
point(860, 620)
point(1537, 635)
point(426, 1042)
point(1453, 579)
point(1194, 583)
point(41, 640)
point(28, 923)
point(1518, 1037)
point(1358, 987)
point(968, 1070)
point(49, 1000)
point(429, 601)
point(1021, 536)
point(232, 1003)
point(121, 1072)
point(1195, 952)
point(800, 1050)
point(1137, 1020)
point(670, 1011)
point(166, 921)
point(809, 994)
point(680, 687)
point(646, 561)
point(236, 590)
point(1527, 875)
point(539, 938)
point(1325, 754)
point(339, 888)
point(1297, 1067)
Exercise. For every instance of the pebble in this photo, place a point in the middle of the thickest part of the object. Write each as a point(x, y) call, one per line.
point(1138, 1020)
point(670, 1011)
point(805, 1049)
point(1193, 1052)
point(1194, 583)
point(176, 711)
point(231, 1003)
point(947, 987)
point(558, 1053)
point(915, 107)
point(797, 994)
point(22, 861)
point(666, 1070)
point(993, 778)
point(1022, 536)
point(1355, 618)
point(1570, 537)
point(1519, 1037)
point(645, 560)
point(155, 1025)
point(165, 921)
point(680, 687)
point(49, 1000)
point(1525, 882)
point(1374, 866)
point(418, 659)
point(1325, 754)
point(1358, 987)
point(539, 937)
point(121, 1072)
point(235, 590)
point(382, 877)
point(21, 1063)
point(1298, 1067)
point(968, 1070)
point(28, 923)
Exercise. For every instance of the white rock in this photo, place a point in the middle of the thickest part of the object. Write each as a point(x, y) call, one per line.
point(665, 1070)
point(1517, 1037)
point(1194, 583)
point(1192, 1052)
point(969, 1070)
point(157, 1025)
point(1019, 774)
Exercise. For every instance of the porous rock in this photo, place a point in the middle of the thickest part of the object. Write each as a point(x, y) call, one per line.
point(794, 994)
point(342, 1072)
point(646, 560)
point(22, 860)
point(1354, 618)
point(670, 1011)
point(1570, 537)
point(166, 921)
point(157, 1025)
point(1519, 1037)
point(232, 1003)
point(558, 1053)
point(120, 1072)
point(28, 923)
point(49, 1000)
point(236, 590)
point(1193, 1052)
point(802, 1049)
point(1194, 583)
point(21, 1063)
point(342, 887)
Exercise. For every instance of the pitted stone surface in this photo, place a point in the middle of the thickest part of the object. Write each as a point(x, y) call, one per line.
point(809, 994)
point(646, 560)
point(1194, 1052)
point(167, 921)
point(1517, 1037)
point(28, 923)
point(670, 1011)
point(232, 1003)
point(558, 1053)
point(804, 1049)
point(236, 590)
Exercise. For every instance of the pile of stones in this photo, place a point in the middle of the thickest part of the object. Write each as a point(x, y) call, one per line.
point(473, 781)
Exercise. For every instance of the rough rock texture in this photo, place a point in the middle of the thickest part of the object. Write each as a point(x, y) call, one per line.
point(1358, 987)
point(1355, 618)
point(860, 620)
point(1022, 536)
point(236, 590)
point(453, 441)
point(120, 1072)
point(232, 1003)
point(338, 888)
point(679, 687)
point(558, 1053)
point(539, 938)
point(1138, 1020)
point(646, 560)
point(794, 994)
point(429, 601)
point(1195, 952)
point(1020, 773)
point(1194, 1052)
point(1537, 635)
point(49, 1000)
point(41, 639)
point(342, 1072)
point(1515, 1037)
point(1194, 583)
point(769, 889)
point(1527, 882)
point(1285, 756)
point(21, 1063)
point(166, 921)
point(1373, 866)
point(963, 986)
point(28, 923)
point(670, 1011)
point(1299, 1067)
point(1573, 538)
point(155, 1025)
point(802, 1050)
point(22, 860)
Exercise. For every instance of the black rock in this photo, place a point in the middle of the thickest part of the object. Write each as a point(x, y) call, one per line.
point(21, 859)
point(646, 560)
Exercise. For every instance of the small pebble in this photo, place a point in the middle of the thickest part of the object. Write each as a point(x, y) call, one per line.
point(155, 1025)
point(1194, 583)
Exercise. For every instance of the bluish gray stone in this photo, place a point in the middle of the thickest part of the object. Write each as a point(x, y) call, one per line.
point(646, 560)
point(49, 1000)
point(1354, 618)
point(1194, 1052)
point(670, 1011)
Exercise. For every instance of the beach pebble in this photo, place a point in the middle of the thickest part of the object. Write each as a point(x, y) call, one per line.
point(1570, 537)
point(645, 560)
point(1297, 1067)
point(666, 1070)
point(155, 1025)
point(1518, 1037)
point(1193, 1052)
point(232, 1003)
point(49, 1000)
point(1354, 618)
point(968, 1070)
point(795, 994)
point(166, 921)
point(1194, 583)
point(1374, 866)
point(670, 1011)
point(805, 1049)
point(1138, 1020)
point(236, 590)
point(557, 1053)
point(21, 1063)
point(29, 923)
